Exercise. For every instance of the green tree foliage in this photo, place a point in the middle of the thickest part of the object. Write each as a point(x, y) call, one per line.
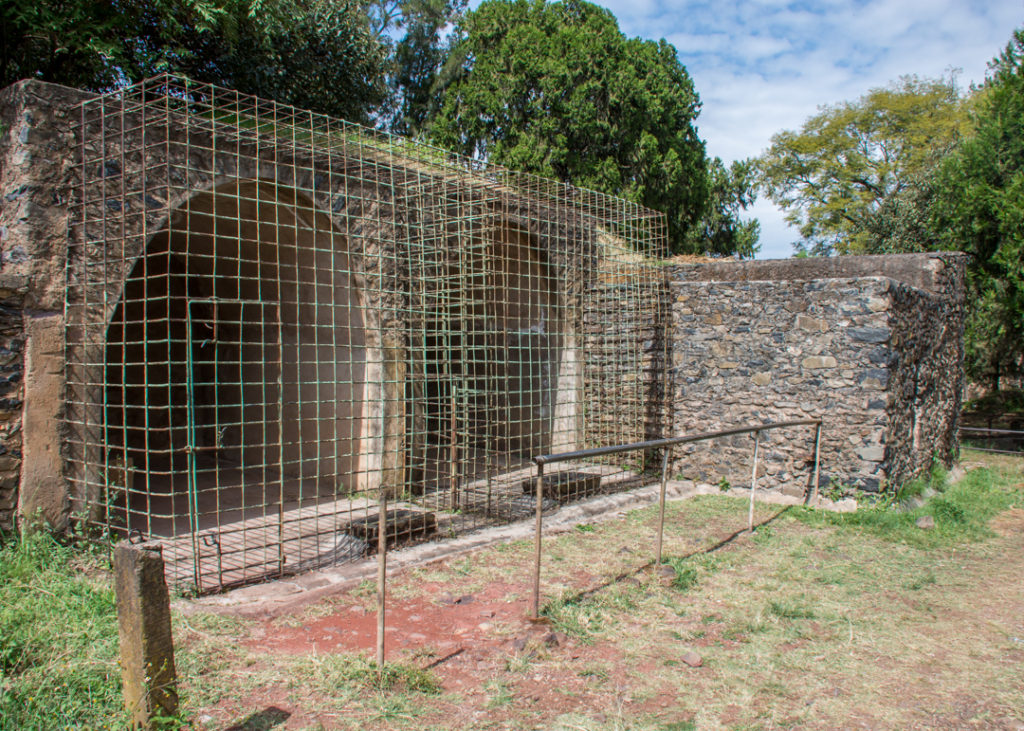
point(417, 35)
point(846, 162)
point(319, 54)
point(979, 207)
point(557, 89)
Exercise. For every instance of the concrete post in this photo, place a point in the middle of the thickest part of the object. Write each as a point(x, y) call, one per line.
point(144, 624)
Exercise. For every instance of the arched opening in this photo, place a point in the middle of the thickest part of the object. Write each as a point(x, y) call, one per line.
point(484, 376)
point(235, 365)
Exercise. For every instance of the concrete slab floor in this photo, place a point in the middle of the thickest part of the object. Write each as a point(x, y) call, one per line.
point(282, 596)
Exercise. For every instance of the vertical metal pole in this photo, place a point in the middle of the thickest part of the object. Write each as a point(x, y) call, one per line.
point(817, 462)
point(453, 457)
point(536, 540)
point(661, 505)
point(753, 482)
point(382, 566)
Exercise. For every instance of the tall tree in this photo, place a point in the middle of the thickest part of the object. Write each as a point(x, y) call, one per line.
point(557, 89)
point(834, 175)
point(418, 36)
point(318, 54)
point(979, 207)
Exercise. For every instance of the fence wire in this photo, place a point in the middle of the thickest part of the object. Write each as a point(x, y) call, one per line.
point(275, 317)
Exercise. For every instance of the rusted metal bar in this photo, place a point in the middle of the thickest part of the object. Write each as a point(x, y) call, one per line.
point(661, 506)
point(382, 569)
point(668, 442)
point(817, 461)
point(537, 540)
point(753, 482)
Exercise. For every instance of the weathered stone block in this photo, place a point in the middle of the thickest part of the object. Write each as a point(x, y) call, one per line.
point(805, 322)
point(144, 626)
point(819, 361)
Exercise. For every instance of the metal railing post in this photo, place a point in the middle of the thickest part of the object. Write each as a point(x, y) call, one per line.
point(753, 482)
point(536, 540)
point(661, 505)
point(382, 559)
point(817, 462)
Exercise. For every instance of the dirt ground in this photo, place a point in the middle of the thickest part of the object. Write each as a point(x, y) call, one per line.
point(800, 625)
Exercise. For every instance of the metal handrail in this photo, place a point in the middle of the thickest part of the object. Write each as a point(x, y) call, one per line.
point(667, 443)
point(990, 431)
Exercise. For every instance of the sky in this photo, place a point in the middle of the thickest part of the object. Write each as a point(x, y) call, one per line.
point(762, 66)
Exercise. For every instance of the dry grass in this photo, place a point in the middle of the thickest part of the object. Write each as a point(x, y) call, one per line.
point(812, 622)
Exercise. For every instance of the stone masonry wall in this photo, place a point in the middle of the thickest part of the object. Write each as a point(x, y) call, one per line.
point(750, 352)
point(12, 292)
point(927, 380)
point(37, 154)
point(880, 361)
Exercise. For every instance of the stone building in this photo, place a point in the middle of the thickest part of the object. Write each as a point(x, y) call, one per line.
point(232, 325)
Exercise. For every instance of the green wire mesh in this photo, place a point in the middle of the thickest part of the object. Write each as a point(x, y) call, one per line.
point(275, 317)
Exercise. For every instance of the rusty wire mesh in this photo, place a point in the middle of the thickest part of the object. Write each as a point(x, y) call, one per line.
point(273, 316)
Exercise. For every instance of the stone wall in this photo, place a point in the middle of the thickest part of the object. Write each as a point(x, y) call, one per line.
point(12, 341)
point(927, 380)
point(880, 361)
point(37, 156)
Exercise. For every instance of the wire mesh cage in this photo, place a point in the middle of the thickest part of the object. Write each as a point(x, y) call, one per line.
point(276, 318)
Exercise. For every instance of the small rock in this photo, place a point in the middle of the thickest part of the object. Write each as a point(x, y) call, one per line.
point(519, 644)
point(692, 659)
point(485, 626)
point(551, 639)
point(489, 613)
point(464, 599)
point(667, 571)
point(631, 580)
point(925, 522)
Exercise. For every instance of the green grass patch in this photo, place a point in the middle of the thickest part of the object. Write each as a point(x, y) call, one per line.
point(58, 638)
point(961, 513)
point(349, 675)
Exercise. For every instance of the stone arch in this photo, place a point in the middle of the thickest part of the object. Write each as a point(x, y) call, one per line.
point(238, 346)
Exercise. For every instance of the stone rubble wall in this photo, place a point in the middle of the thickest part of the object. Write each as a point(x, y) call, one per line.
point(927, 380)
point(37, 161)
point(880, 361)
point(12, 341)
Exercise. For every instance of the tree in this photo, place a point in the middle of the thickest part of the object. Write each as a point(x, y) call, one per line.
point(846, 162)
point(318, 54)
point(557, 89)
point(979, 208)
point(416, 33)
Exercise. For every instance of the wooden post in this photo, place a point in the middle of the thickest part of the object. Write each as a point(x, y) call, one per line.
point(144, 626)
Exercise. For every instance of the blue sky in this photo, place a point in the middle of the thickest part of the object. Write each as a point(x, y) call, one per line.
point(761, 66)
point(765, 65)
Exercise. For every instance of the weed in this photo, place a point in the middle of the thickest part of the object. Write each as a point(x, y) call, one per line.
point(345, 674)
point(723, 484)
point(575, 617)
point(927, 579)
point(585, 528)
point(787, 609)
point(58, 638)
point(498, 694)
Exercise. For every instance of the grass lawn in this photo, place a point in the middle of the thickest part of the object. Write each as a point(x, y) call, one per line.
point(817, 620)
